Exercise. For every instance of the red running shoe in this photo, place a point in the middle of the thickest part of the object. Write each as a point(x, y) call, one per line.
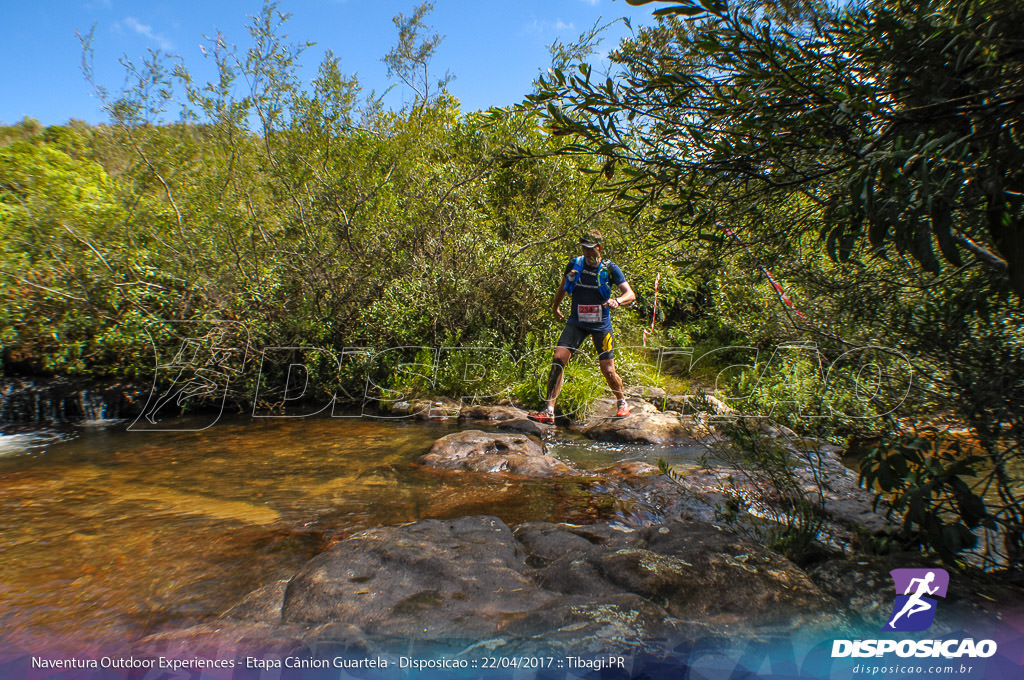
point(623, 411)
point(542, 417)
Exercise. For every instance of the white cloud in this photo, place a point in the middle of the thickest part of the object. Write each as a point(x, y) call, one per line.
point(546, 26)
point(591, 2)
point(147, 31)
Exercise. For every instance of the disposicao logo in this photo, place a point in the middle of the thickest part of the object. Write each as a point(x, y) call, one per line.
point(913, 611)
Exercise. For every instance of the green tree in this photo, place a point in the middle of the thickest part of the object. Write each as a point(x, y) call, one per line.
point(74, 299)
point(320, 218)
point(409, 60)
point(899, 121)
point(882, 133)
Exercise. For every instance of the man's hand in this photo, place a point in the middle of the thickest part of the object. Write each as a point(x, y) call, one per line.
point(626, 297)
point(558, 313)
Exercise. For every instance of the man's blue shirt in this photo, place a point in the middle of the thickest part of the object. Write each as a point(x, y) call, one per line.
point(586, 293)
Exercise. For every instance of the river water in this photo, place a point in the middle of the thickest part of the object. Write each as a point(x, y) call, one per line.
point(108, 535)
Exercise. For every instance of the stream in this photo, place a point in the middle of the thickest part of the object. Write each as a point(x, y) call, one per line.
point(107, 534)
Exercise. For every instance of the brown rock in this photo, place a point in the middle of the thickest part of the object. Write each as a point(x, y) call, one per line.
point(262, 604)
point(441, 408)
point(434, 578)
point(526, 427)
point(697, 570)
point(505, 417)
point(630, 468)
point(645, 424)
point(654, 395)
point(491, 413)
point(478, 451)
point(575, 587)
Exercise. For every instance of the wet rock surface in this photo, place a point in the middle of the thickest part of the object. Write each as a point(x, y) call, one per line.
point(66, 400)
point(866, 588)
point(437, 408)
point(594, 588)
point(494, 452)
point(504, 417)
point(458, 578)
point(847, 510)
point(694, 571)
point(630, 469)
point(645, 424)
point(846, 503)
point(493, 414)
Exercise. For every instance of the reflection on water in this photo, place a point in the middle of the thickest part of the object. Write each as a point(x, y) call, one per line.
point(115, 534)
point(27, 442)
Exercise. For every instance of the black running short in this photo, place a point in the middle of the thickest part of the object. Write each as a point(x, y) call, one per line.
point(572, 337)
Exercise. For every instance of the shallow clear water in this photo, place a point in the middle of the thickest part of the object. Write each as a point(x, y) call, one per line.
point(109, 535)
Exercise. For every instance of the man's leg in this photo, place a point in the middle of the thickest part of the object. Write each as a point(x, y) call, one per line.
point(612, 376)
point(606, 359)
point(558, 363)
point(568, 342)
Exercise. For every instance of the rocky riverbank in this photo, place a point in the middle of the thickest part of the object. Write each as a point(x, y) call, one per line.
point(680, 558)
point(667, 572)
point(585, 589)
point(475, 586)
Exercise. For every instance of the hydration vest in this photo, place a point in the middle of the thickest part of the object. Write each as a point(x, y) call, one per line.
point(604, 287)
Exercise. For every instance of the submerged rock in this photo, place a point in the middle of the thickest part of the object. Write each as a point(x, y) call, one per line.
point(478, 451)
point(630, 469)
point(210, 640)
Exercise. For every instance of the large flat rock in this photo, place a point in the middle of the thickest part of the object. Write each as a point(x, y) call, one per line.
point(504, 417)
point(577, 589)
point(645, 424)
point(457, 578)
point(695, 571)
point(493, 414)
point(494, 452)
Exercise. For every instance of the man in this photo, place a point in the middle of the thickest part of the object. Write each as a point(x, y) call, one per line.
point(588, 279)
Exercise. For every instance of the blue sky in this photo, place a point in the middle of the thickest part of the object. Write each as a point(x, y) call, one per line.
point(494, 48)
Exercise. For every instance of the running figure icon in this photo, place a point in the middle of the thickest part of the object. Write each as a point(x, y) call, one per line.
point(916, 604)
point(914, 608)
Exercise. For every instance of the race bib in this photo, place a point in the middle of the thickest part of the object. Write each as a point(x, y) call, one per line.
point(589, 313)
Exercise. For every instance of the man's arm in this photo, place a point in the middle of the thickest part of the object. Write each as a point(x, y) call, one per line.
point(559, 296)
point(627, 296)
